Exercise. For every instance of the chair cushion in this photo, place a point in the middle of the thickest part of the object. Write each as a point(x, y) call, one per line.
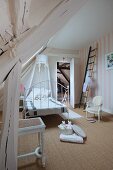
point(79, 131)
point(93, 109)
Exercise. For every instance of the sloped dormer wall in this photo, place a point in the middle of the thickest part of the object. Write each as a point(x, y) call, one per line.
point(104, 77)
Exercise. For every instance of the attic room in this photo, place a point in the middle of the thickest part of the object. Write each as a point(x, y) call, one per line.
point(41, 41)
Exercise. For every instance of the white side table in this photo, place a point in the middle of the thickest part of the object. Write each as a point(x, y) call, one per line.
point(34, 125)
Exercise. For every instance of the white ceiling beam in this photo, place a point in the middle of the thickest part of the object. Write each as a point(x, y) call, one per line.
point(12, 11)
point(19, 12)
point(5, 23)
point(9, 135)
point(6, 64)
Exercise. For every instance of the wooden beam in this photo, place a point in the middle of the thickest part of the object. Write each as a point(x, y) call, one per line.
point(65, 76)
point(64, 68)
point(8, 145)
point(19, 12)
point(64, 64)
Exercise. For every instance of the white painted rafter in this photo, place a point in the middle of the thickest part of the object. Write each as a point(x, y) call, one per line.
point(9, 135)
point(5, 23)
point(19, 12)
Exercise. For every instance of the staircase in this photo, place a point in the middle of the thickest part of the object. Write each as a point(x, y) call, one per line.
point(89, 73)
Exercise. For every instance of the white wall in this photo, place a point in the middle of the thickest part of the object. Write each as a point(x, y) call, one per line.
point(75, 82)
point(104, 77)
point(77, 76)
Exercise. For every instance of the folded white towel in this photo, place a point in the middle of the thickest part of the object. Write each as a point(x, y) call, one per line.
point(79, 131)
point(71, 138)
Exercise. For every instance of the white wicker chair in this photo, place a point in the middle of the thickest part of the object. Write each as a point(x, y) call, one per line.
point(94, 107)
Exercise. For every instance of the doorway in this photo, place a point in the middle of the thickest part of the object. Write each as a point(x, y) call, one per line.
point(63, 81)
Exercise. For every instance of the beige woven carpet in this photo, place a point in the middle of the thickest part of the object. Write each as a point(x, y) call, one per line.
point(95, 154)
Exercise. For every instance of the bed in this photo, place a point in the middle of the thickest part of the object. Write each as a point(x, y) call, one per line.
point(39, 102)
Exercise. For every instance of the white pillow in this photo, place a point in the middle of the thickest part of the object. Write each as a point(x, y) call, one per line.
point(71, 138)
point(79, 131)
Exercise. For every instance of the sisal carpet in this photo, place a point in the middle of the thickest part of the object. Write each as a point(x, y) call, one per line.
point(95, 154)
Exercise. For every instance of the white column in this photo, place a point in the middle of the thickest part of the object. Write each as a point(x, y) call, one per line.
point(8, 146)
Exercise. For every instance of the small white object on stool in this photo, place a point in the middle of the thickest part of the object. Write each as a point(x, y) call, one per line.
point(66, 129)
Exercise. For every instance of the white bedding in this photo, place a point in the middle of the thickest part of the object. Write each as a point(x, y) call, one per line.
point(46, 107)
point(38, 93)
point(47, 103)
point(43, 104)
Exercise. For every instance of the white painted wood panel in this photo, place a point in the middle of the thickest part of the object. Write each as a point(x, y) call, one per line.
point(8, 147)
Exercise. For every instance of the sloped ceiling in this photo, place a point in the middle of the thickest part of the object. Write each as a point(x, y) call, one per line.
point(17, 17)
point(93, 20)
point(20, 40)
point(40, 9)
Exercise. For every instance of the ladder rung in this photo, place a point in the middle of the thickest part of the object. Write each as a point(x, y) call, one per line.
point(93, 49)
point(92, 56)
point(91, 62)
point(86, 90)
point(84, 96)
point(89, 69)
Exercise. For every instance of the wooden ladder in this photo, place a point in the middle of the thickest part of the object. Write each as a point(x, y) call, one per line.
point(89, 71)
